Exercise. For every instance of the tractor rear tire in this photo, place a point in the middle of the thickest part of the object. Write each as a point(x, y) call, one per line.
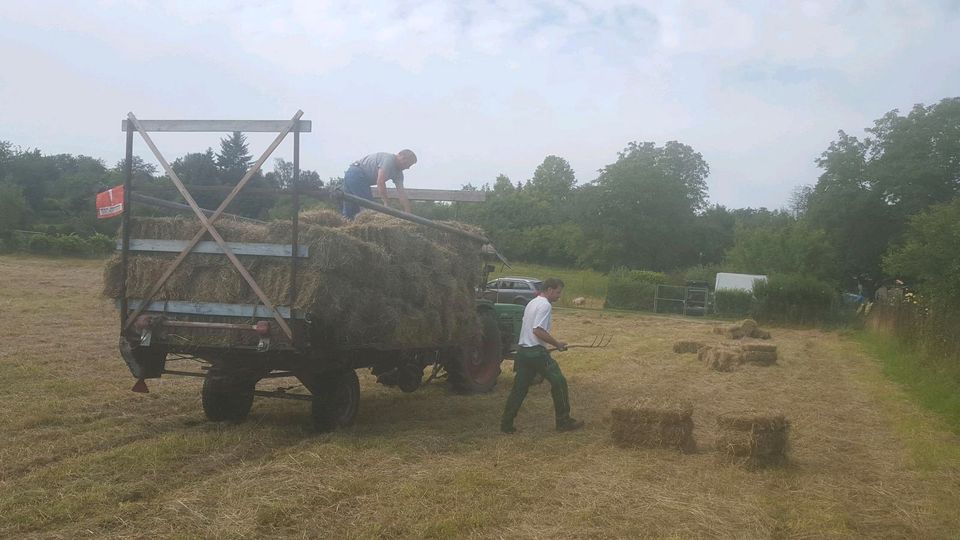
point(474, 369)
point(227, 396)
point(336, 400)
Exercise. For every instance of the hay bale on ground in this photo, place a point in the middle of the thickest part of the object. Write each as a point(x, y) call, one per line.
point(650, 424)
point(758, 353)
point(687, 346)
point(376, 282)
point(752, 439)
point(719, 358)
point(742, 329)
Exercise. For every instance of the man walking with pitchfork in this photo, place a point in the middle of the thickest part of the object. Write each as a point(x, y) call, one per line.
point(533, 358)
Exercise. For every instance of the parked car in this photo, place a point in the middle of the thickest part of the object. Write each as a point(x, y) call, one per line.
point(513, 290)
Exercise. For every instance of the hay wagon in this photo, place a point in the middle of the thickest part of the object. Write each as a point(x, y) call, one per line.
point(238, 345)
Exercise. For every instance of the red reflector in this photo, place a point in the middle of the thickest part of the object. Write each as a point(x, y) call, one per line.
point(141, 387)
point(263, 328)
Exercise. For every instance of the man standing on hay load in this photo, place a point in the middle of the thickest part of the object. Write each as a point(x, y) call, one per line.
point(377, 169)
point(533, 359)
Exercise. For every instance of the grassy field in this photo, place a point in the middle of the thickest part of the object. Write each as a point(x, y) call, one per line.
point(591, 285)
point(82, 456)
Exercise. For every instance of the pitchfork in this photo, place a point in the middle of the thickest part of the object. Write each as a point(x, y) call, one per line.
point(598, 342)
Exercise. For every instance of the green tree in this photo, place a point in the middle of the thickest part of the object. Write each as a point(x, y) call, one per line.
point(143, 172)
point(200, 169)
point(713, 234)
point(553, 180)
point(282, 176)
point(869, 188)
point(233, 159)
point(640, 211)
point(13, 207)
point(928, 252)
point(793, 247)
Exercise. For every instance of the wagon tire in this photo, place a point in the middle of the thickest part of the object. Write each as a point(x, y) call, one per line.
point(227, 397)
point(475, 369)
point(336, 400)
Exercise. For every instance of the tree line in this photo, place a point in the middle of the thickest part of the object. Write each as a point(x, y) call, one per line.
point(885, 205)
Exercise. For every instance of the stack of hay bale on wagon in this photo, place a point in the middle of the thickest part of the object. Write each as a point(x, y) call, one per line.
point(375, 282)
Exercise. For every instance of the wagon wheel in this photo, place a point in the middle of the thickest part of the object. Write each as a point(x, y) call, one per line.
point(336, 399)
point(227, 395)
point(474, 369)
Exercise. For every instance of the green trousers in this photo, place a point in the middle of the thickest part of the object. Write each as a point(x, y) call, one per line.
point(531, 361)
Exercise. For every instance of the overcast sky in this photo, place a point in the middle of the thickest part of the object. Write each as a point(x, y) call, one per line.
point(481, 88)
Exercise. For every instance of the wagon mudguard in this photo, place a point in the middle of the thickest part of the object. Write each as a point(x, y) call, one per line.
point(143, 362)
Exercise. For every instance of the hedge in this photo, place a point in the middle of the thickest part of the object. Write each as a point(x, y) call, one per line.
point(633, 289)
point(796, 299)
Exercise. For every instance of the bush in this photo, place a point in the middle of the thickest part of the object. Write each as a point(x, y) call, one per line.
point(797, 299)
point(732, 303)
point(42, 244)
point(72, 244)
point(633, 289)
point(101, 244)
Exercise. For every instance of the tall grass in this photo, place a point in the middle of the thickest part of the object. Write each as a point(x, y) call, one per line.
point(589, 284)
point(934, 384)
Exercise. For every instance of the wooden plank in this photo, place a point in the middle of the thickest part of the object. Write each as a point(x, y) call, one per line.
point(238, 248)
point(220, 126)
point(211, 308)
point(439, 195)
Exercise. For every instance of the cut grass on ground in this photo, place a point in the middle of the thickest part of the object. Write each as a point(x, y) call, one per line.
point(82, 456)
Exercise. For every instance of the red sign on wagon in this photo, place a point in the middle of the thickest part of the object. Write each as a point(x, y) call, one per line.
point(110, 203)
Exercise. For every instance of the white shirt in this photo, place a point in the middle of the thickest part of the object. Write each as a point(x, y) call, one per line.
point(535, 315)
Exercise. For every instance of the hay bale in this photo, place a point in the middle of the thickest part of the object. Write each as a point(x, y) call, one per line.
point(376, 282)
point(742, 329)
point(649, 424)
point(719, 358)
point(687, 346)
point(322, 216)
point(752, 439)
point(762, 358)
point(765, 347)
point(758, 353)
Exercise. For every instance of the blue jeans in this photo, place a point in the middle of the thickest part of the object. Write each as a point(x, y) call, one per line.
point(355, 182)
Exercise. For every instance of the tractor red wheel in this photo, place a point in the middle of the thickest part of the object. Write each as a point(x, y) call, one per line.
point(474, 369)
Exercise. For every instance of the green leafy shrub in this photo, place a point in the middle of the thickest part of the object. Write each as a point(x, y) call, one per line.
point(796, 299)
point(732, 302)
point(101, 244)
point(42, 244)
point(633, 289)
point(72, 244)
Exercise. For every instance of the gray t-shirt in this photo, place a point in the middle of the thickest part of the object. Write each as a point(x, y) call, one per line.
point(381, 160)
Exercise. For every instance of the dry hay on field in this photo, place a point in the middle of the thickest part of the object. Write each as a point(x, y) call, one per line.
point(375, 282)
point(742, 329)
point(719, 358)
point(758, 353)
point(687, 346)
point(652, 424)
point(752, 439)
point(727, 357)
